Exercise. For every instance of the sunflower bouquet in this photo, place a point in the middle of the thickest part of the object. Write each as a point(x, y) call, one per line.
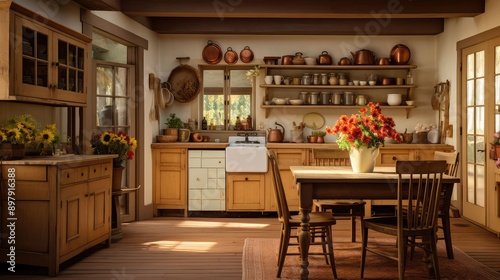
point(20, 129)
point(114, 143)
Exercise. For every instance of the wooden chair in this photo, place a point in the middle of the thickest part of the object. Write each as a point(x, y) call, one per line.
point(418, 189)
point(320, 223)
point(345, 209)
point(452, 160)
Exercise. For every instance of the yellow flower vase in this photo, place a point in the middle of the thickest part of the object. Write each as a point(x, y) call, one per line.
point(363, 160)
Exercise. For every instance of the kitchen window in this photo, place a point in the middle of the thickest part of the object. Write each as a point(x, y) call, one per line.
point(227, 95)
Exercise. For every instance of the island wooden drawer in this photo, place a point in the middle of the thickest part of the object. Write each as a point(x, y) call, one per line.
point(100, 170)
point(69, 176)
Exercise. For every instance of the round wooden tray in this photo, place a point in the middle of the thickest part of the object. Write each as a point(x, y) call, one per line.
point(185, 83)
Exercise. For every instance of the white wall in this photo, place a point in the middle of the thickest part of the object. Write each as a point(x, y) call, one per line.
point(423, 49)
point(446, 52)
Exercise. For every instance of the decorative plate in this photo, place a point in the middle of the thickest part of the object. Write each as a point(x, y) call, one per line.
point(314, 120)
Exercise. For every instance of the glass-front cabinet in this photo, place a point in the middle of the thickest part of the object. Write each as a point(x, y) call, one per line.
point(49, 65)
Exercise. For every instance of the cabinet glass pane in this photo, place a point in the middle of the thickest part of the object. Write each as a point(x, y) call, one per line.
point(72, 55)
point(72, 80)
point(62, 77)
point(62, 54)
point(28, 71)
point(42, 46)
point(28, 42)
point(79, 83)
point(80, 58)
point(42, 74)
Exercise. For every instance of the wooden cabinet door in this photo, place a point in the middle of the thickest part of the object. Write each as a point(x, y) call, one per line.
point(33, 59)
point(169, 178)
point(99, 208)
point(73, 218)
point(245, 191)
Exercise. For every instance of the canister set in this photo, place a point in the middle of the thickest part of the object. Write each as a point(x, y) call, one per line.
point(327, 98)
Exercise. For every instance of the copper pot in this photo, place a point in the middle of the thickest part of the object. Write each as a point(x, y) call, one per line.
point(400, 54)
point(246, 55)
point(324, 58)
point(363, 57)
point(383, 61)
point(345, 61)
point(287, 59)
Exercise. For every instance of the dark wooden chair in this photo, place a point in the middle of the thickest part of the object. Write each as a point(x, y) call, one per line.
point(419, 191)
point(452, 160)
point(320, 223)
point(341, 209)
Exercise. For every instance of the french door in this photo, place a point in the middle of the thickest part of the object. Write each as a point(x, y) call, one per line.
point(480, 92)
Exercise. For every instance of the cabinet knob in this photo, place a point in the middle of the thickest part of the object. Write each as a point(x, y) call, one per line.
point(67, 175)
point(95, 170)
point(55, 63)
point(246, 178)
point(82, 174)
point(197, 179)
point(86, 195)
point(394, 158)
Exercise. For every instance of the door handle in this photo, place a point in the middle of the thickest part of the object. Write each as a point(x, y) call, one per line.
point(481, 151)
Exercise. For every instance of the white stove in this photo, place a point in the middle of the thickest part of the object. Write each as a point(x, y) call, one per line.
point(246, 154)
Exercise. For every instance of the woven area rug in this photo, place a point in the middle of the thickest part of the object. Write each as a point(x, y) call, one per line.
point(260, 262)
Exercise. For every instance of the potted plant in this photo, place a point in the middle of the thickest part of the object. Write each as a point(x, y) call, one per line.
point(320, 136)
point(114, 143)
point(173, 124)
point(495, 148)
point(15, 134)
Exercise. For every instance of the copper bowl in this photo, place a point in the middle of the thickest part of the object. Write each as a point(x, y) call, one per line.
point(388, 81)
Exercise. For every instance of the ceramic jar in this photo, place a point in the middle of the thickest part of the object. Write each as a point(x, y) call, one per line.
point(334, 79)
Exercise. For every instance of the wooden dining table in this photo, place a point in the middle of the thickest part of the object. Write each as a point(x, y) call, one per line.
point(340, 182)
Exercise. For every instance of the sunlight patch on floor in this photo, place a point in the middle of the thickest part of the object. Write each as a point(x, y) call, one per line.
point(191, 224)
point(181, 246)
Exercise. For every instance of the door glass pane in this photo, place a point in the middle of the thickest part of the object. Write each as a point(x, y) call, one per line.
point(470, 183)
point(470, 121)
point(497, 59)
point(480, 64)
point(470, 149)
point(479, 120)
point(470, 66)
point(480, 91)
point(480, 150)
point(480, 185)
point(470, 92)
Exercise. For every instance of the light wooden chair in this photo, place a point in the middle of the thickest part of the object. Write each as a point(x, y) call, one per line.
point(341, 209)
point(418, 190)
point(320, 223)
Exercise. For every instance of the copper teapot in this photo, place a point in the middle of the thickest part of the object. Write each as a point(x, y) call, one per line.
point(275, 135)
point(363, 57)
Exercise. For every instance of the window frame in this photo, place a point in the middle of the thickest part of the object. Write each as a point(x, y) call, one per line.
point(227, 93)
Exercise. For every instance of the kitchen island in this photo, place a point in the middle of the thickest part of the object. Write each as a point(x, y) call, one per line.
point(54, 208)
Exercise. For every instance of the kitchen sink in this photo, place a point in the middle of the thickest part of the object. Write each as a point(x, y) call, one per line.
point(246, 154)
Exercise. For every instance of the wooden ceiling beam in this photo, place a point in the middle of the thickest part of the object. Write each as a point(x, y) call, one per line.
point(260, 26)
point(100, 5)
point(303, 9)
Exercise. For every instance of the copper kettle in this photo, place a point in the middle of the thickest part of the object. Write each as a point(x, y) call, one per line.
point(363, 57)
point(275, 135)
point(324, 58)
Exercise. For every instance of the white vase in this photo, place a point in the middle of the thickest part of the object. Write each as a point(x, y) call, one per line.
point(363, 160)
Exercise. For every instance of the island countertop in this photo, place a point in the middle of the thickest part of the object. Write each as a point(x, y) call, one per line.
point(57, 160)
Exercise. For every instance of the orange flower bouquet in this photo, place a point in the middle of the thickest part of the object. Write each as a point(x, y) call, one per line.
point(368, 129)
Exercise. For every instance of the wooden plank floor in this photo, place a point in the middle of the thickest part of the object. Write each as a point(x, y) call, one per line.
point(211, 248)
